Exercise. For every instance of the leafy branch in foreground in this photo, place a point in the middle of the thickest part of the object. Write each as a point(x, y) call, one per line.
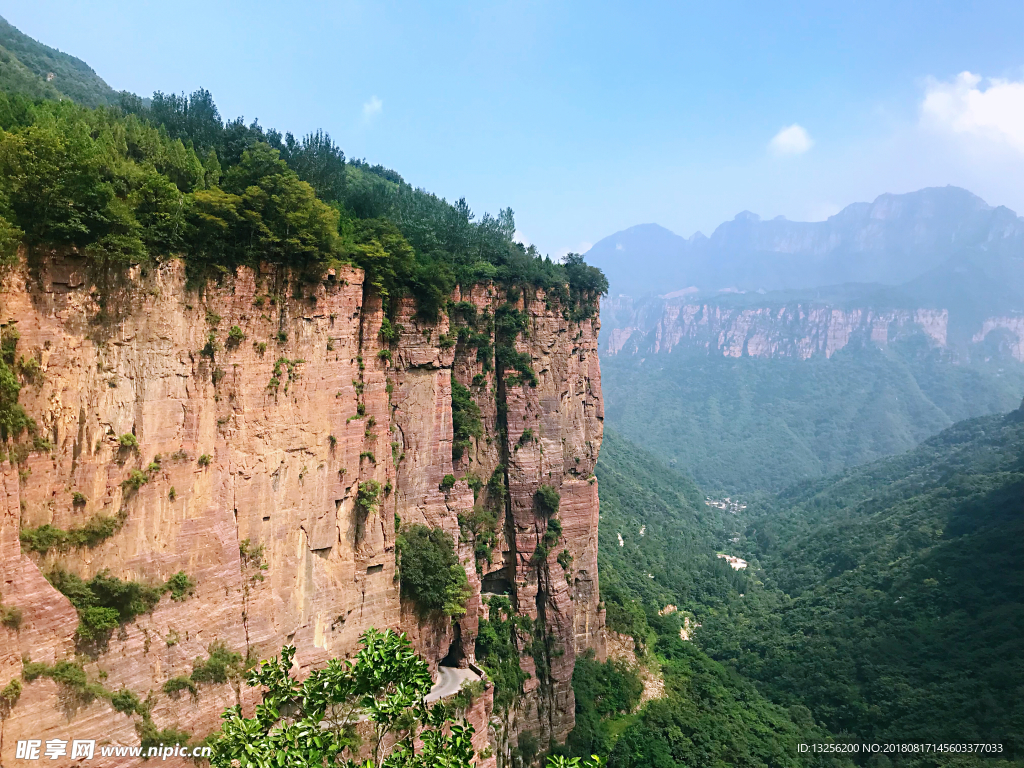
point(559, 761)
point(312, 723)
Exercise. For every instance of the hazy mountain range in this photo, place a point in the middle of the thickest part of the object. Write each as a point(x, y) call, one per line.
point(776, 351)
point(939, 245)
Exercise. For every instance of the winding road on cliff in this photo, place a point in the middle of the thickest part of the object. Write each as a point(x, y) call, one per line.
point(449, 681)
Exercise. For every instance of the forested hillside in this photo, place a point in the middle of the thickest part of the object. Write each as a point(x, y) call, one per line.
point(710, 715)
point(882, 604)
point(892, 602)
point(740, 425)
point(668, 538)
point(39, 71)
point(130, 184)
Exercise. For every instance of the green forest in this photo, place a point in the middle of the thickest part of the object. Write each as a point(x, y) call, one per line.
point(743, 425)
point(39, 71)
point(884, 598)
point(892, 602)
point(127, 180)
point(881, 604)
point(711, 714)
point(139, 181)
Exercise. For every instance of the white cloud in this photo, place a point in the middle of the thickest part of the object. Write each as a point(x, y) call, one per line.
point(791, 140)
point(372, 108)
point(994, 113)
point(582, 247)
point(520, 237)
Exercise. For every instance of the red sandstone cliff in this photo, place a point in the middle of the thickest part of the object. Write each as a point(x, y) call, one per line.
point(293, 417)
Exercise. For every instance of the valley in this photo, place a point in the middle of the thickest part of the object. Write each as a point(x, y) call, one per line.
point(879, 604)
point(742, 359)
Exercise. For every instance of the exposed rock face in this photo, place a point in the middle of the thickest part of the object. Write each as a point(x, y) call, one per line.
point(262, 443)
point(796, 330)
point(1005, 331)
point(622, 648)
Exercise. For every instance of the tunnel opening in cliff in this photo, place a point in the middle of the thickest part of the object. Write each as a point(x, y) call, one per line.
point(496, 583)
point(455, 656)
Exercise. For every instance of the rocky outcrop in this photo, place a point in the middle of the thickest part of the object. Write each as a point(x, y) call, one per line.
point(1005, 333)
point(252, 446)
point(797, 330)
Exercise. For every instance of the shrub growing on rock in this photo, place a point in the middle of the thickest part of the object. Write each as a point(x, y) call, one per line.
point(547, 499)
point(432, 576)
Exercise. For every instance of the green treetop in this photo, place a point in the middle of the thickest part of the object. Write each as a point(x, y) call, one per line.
point(313, 722)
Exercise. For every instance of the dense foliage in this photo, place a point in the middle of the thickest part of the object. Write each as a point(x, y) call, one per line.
point(139, 181)
point(104, 601)
point(888, 609)
point(46, 537)
point(605, 692)
point(13, 419)
point(498, 641)
point(313, 722)
point(893, 596)
point(710, 715)
point(740, 425)
point(432, 576)
point(669, 537)
point(610, 688)
point(466, 425)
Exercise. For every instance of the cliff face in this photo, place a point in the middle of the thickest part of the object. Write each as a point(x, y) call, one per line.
point(794, 330)
point(253, 450)
point(1007, 332)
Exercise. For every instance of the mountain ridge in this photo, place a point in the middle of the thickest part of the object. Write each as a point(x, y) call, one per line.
point(895, 239)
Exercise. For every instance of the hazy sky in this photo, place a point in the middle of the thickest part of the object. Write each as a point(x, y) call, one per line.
point(590, 117)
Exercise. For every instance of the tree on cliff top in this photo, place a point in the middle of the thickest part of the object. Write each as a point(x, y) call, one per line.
point(312, 723)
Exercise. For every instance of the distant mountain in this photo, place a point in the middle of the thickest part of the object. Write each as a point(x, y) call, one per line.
point(39, 71)
point(839, 342)
point(925, 241)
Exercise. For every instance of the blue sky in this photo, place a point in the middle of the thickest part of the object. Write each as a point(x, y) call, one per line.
point(587, 118)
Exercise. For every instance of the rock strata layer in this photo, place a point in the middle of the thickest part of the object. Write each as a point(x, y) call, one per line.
point(796, 330)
